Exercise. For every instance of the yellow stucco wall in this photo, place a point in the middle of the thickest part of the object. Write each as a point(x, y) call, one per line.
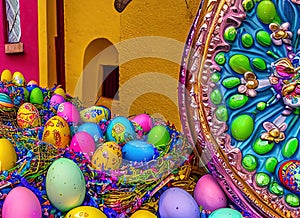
point(149, 36)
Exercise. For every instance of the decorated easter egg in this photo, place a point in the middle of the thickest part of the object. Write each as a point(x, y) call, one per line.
point(176, 202)
point(5, 101)
point(85, 212)
point(68, 112)
point(57, 132)
point(8, 156)
point(36, 96)
point(108, 156)
point(159, 136)
point(56, 100)
point(93, 129)
point(18, 79)
point(288, 175)
point(83, 142)
point(225, 212)
point(28, 116)
point(6, 76)
point(60, 91)
point(21, 202)
point(138, 150)
point(120, 130)
point(95, 114)
point(208, 194)
point(143, 214)
point(31, 85)
point(143, 120)
point(65, 184)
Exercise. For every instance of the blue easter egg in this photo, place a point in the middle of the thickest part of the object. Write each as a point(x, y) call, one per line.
point(138, 150)
point(120, 130)
point(225, 212)
point(91, 128)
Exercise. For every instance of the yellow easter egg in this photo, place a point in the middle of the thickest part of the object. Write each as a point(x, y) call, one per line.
point(28, 116)
point(143, 214)
point(108, 156)
point(60, 91)
point(6, 76)
point(57, 132)
point(8, 156)
point(18, 79)
point(85, 212)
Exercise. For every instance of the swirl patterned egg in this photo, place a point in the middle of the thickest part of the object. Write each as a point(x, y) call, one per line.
point(28, 116)
point(57, 132)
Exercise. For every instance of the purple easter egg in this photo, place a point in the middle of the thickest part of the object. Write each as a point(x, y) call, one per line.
point(176, 202)
point(209, 194)
point(56, 100)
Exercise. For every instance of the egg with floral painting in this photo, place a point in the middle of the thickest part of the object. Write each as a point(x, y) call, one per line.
point(28, 116)
point(57, 132)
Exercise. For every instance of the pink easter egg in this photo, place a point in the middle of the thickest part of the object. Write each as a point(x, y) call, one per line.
point(145, 121)
point(21, 202)
point(68, 112)
point(56, 100)
point(83, 142)
point(209, 194)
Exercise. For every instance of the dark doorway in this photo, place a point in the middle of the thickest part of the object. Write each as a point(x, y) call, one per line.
point(110, 84)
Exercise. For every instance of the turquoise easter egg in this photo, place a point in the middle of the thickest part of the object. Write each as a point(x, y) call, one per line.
point(225, 212)
point(120, 130)
point(138, 150)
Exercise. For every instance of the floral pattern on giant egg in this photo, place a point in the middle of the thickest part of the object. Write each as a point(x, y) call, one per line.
point(57, 132)
point(95, 114)
point(108, 156)
point(120, 130)
point(68, 112)
point(28, 116)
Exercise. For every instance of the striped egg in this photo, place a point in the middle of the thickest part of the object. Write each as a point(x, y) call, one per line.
point(5, 101)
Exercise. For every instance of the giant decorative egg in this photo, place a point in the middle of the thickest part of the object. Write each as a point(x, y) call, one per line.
point(176, 202)
point(143, 214)
point(108, 156)
point(144, 121)
point(85, 212)
point(120, 130)
point(57, 132)
point(8, 156)
point(93, 129)
point(138, 150)
point(36, 96)
point(65, 184)
point(5, 101)
point(83, 142)
point(18, 79)
point(159, 136)
point(6, 76)
point(21, 202)
point(95, 114)
point(28, 116)
point(288, 175)
point(209, 194)
point(68, 112)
